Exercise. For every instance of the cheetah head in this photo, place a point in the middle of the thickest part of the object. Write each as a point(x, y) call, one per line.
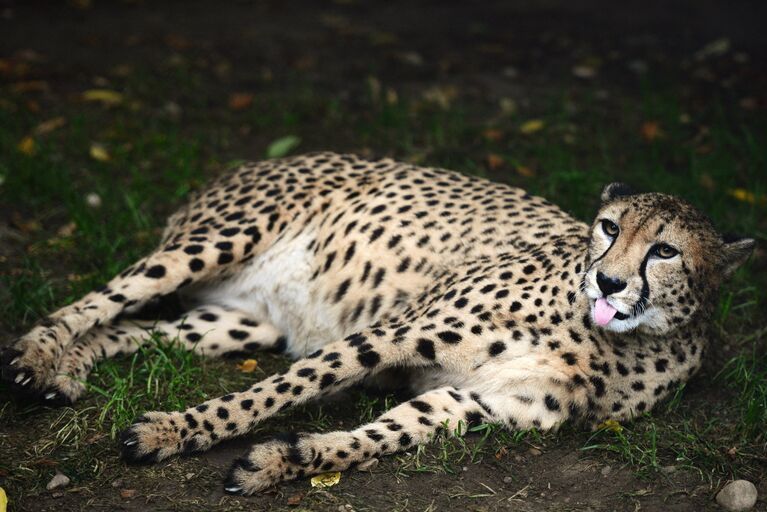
point(655, 262)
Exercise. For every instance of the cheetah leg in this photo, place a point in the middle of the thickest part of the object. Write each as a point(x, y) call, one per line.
point(405, 426)
point(30, 365)
point(211, 331)
point(158, 435)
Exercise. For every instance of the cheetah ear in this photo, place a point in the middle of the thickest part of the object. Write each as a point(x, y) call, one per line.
point(614, 191)
point(735, 252)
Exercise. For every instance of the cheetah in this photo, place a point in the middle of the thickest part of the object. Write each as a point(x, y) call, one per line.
point(499, 306)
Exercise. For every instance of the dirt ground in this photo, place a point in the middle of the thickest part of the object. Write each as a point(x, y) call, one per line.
point(490, 49)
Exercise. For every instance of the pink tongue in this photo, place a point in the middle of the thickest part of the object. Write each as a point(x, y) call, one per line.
point(603, 312)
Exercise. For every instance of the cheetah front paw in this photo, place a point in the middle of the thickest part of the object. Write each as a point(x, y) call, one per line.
point(270, 463)
point(28, 367)
point(158, 435)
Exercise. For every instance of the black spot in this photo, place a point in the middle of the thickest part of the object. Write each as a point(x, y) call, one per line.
point(449, 337)
point(569, 358)
point(660, 365)
point(118, 297)
point(238, 335)
point(196, 264)
point(426, 348)
point(327, 380)
point(225, 257)
point(155, 272)
point(552, 403)
point(369, 359)
point(269, 402)
point(405, 439)
point(496, 348)
point(515, 306)
point(283, 387)
point(222, 413)
point(209, 317)
point(422, 406)
point(229, 232)
point(190, 420)
point(528, 269)
point(372, 434)
point(246, 404)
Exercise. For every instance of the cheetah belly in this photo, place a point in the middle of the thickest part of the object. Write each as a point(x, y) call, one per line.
point(275, 287)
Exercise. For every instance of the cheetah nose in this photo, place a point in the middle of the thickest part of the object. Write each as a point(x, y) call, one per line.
point(609, 285)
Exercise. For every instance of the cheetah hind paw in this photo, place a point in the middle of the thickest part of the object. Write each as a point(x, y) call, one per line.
point(268, 464)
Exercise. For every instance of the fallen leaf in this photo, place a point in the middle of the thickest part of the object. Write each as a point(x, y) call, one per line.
point(611, 425)
point(326, 479)
point(49, 126)
point(650, 131)
point(531, 126)
point(501, 453)
point(99, 152)
point(707, 182)
point(240, 100)
point(494, 161)
point(104, 96)
point(492, 134)
point(282, 146)
point(58, 480)
point(248, 366)
point(128, 493)
point(295, 499)
point(715, 48)
point(66, 230)
point(746, 196)
point(3, 500)
point(525, 171)
point(30, 86)
point(584, 71)
point(27, 146)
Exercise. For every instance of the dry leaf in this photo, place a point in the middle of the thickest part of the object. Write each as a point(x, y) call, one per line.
point(295, 499)
point(492, 134)
point(326, 479)
point(707, 182)
point(128, 493)
point(494, 161)
point(611, 425)
point(525, 171)
point(584, 71)
point(99, 152)
point(3, 500)
point(240, 100)
point(50, 125)
point(650, 131)
point(27, 146)
point(66, 230)
point(104, 96)
point(248, 366)
point(531, 126)
point(501, 453)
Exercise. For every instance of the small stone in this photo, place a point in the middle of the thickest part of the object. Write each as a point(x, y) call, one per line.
point(189, 476)
point(507, 479)
point(737, 496)
point(535, 452)
point(668, 469)
point(58, 480)
point(606, 470)
point(118, 482)
point(93, 200)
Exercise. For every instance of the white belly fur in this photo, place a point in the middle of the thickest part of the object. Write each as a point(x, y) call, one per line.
point(275, 288)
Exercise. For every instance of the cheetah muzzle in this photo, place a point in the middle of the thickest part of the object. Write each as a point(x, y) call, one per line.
point(500, 306)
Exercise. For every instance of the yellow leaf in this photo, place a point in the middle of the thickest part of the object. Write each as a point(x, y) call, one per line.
point(531, 126)
point(50, 125)
point(105, 96)
point(99, 152)
point(326, 479)
point(27, 146)
point(525, 171)
point(248, 366)
point(746, 196)
point(611, 425)
point(3, 501)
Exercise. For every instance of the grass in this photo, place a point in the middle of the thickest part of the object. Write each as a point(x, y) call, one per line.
point(67, 246)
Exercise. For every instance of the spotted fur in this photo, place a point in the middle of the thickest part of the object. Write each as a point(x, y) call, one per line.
point(483, 293)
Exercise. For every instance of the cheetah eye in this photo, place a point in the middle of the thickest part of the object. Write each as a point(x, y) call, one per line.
point(664, 251)
point(610, 228)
